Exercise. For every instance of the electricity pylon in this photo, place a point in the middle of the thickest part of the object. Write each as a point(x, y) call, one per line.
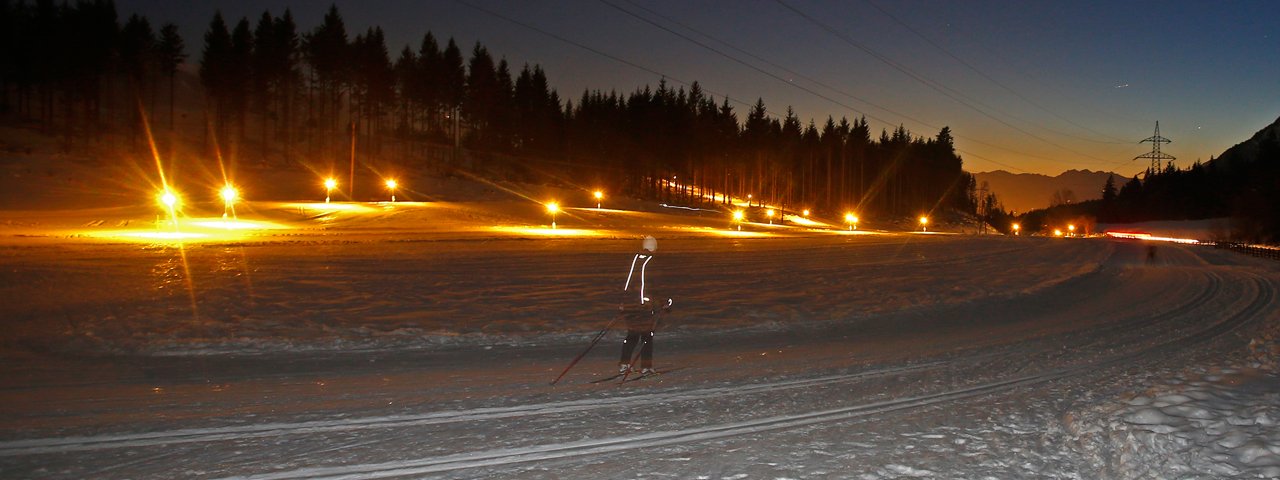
point(1156, 155)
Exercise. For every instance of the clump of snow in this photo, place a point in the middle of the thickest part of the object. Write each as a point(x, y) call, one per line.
point(1220, 421)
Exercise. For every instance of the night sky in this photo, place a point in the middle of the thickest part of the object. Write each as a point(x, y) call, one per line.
point(1025, 86)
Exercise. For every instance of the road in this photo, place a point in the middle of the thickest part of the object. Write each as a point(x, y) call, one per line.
point(963, 385)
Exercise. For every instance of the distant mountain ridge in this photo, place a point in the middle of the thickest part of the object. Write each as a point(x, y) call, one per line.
point(1022, 192)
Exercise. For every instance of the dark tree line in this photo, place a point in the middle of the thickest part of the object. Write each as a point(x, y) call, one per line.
point(74, 69)
point(275, 93)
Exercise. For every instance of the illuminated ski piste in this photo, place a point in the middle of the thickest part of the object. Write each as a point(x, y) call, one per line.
point(416, 339)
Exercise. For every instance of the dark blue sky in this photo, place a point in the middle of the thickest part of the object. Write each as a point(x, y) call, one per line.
point(1026, 86)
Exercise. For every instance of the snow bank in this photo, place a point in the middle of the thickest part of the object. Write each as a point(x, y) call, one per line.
point(1219, 422)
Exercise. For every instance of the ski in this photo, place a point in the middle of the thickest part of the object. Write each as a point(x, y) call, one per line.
point(641, 377)
point(602, 380)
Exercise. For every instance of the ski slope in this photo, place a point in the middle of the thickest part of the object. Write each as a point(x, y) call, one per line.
point(418, 340)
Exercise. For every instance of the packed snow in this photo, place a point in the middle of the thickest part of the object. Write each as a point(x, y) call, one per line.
point(418, 339)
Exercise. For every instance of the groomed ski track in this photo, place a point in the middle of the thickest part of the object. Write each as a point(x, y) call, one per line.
point(1203, 303)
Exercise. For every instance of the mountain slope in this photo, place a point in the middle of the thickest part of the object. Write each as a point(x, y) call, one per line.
point(1021, 192)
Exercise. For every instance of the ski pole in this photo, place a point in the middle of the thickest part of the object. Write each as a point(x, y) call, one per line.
point(589, 347)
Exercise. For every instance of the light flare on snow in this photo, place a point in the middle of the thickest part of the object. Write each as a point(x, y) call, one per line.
point(1148, 236)
point(329, 207)
point(741, 234)
point(806, 221)
point(547, 232)
point(200, 229)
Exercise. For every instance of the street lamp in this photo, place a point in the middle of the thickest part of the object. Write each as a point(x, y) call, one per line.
point(1016, 228)
point(806, 213)
point(599, 197)
point(329, 185)
point(852, 220)
point(391, 186)
point(170, 202)
point(1072, 228)
point(924, 223)
point(769, 213)
point(552, 208)
point(229, 196)
point(737, 218)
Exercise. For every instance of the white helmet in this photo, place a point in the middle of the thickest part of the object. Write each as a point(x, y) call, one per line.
point(650, 243)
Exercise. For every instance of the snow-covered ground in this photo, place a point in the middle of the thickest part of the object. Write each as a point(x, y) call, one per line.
point(417, 339)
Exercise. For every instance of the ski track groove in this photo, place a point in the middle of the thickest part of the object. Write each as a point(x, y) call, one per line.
point(1264, 298)
point(197, 435)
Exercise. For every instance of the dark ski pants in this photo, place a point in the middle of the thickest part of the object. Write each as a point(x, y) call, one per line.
point(645, 337)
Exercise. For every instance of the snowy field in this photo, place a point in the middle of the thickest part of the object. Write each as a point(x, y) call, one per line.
point(418, 340)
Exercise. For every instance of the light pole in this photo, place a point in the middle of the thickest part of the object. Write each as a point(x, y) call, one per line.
point(737, 218)
point(924, 223)
point(229, 196)
point(391, 186)
point(852, 220)
point(170, 201)
point(1016, 228)
point(769, 213)
point(599, 197)
point(329, 185)
point(552, 208)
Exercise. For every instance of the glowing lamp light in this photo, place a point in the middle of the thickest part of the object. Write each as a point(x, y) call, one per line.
point(229, 196)
point(737, 218)
point(170, 201)
point(329, 185)
point(391, 185)
point(852, 220)
point(924, 224)
point(1016, 228)
point(769, 213)
point(1072, 228)
point(553, 208)
point(806, 213)
point(599, 197)
point(1057, 232)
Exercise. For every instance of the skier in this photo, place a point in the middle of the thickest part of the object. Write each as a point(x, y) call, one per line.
point(639, 311)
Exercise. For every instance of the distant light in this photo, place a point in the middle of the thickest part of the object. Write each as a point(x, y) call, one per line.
point(552, 208)
point(806, 212)
point(391, 185)
point(769, 212)
point(1072, 228)
point(1057, 232)
point(329, 185)
point(1016, 228)
point(230, 194)
point(924, 223)
point(168, 199)
point(852, 220)
point(599, 195)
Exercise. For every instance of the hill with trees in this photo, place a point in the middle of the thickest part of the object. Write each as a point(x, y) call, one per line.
point(1243, 184)
point(335, 101)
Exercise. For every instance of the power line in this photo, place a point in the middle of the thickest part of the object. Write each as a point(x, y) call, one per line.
point(606, 54)
point(793, 84)
point(998, 83)
point(928, 83)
